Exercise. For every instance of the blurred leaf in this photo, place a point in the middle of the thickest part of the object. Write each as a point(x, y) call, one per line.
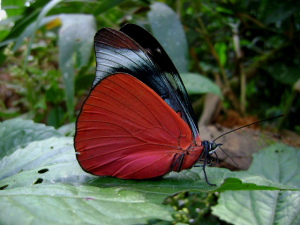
point(168, 30)
point(56, 22)
point(64, 204)
point(54, 93)
point(45, 10)
point(56, 116)
point(198, 84)
point(277, 11)
point(13, 7)
point(67, 130)
point(278, 163)
point(296, 86)
point(83, 83)
point(224, 10)
point(17, 133)
point(106, 5)
point(29, 31)
point(13, 34)
point(76, 38)
point(221, 49)
point(25, 33)
point(283, 73)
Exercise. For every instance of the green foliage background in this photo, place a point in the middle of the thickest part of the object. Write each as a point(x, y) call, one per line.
point(250, 48)
point(247, 52)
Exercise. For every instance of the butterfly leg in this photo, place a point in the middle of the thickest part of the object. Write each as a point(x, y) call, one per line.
point(206, 159)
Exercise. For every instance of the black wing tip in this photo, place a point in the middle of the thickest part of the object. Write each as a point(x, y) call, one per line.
point(103, 32)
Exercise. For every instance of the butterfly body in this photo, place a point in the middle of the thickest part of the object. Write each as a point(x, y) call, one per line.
point(137, 122)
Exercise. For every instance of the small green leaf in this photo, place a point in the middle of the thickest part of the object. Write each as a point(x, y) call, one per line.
point(13, 8)
point(106, 5)
point(221, 49)
point(198, 84)
point(286, 74)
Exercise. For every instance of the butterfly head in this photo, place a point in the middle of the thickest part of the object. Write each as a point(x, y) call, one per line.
point(212, 147)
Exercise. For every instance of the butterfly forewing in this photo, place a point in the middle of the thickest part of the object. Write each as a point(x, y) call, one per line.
point(157, 54)
point(117, 52)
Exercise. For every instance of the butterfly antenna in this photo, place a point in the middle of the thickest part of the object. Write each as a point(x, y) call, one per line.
point(248, 126)
point(229, 157)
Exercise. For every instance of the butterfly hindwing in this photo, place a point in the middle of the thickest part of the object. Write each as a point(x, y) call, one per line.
point(126, 130)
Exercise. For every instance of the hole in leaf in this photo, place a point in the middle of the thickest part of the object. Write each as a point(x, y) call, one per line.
point(38, 181)
point(43, 171)
point(3, 187)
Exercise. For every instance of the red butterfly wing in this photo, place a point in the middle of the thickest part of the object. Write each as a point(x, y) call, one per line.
point(128, 131)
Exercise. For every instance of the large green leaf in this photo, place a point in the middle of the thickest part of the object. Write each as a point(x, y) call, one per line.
point(193, 180)
point(53, 161)
point(168, 30)
point(17, 133)
point(278, 163)
point(64, 204)
point(35, 184)
point(76, 38)
point(47, 161)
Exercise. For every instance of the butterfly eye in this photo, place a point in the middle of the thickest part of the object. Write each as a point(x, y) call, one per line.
point(213, 147)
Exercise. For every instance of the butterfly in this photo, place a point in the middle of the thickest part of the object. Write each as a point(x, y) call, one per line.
point(138, 121)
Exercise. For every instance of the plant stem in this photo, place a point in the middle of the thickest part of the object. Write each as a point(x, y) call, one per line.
point(239, 56)
point(226, 85)
point(287, 108)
